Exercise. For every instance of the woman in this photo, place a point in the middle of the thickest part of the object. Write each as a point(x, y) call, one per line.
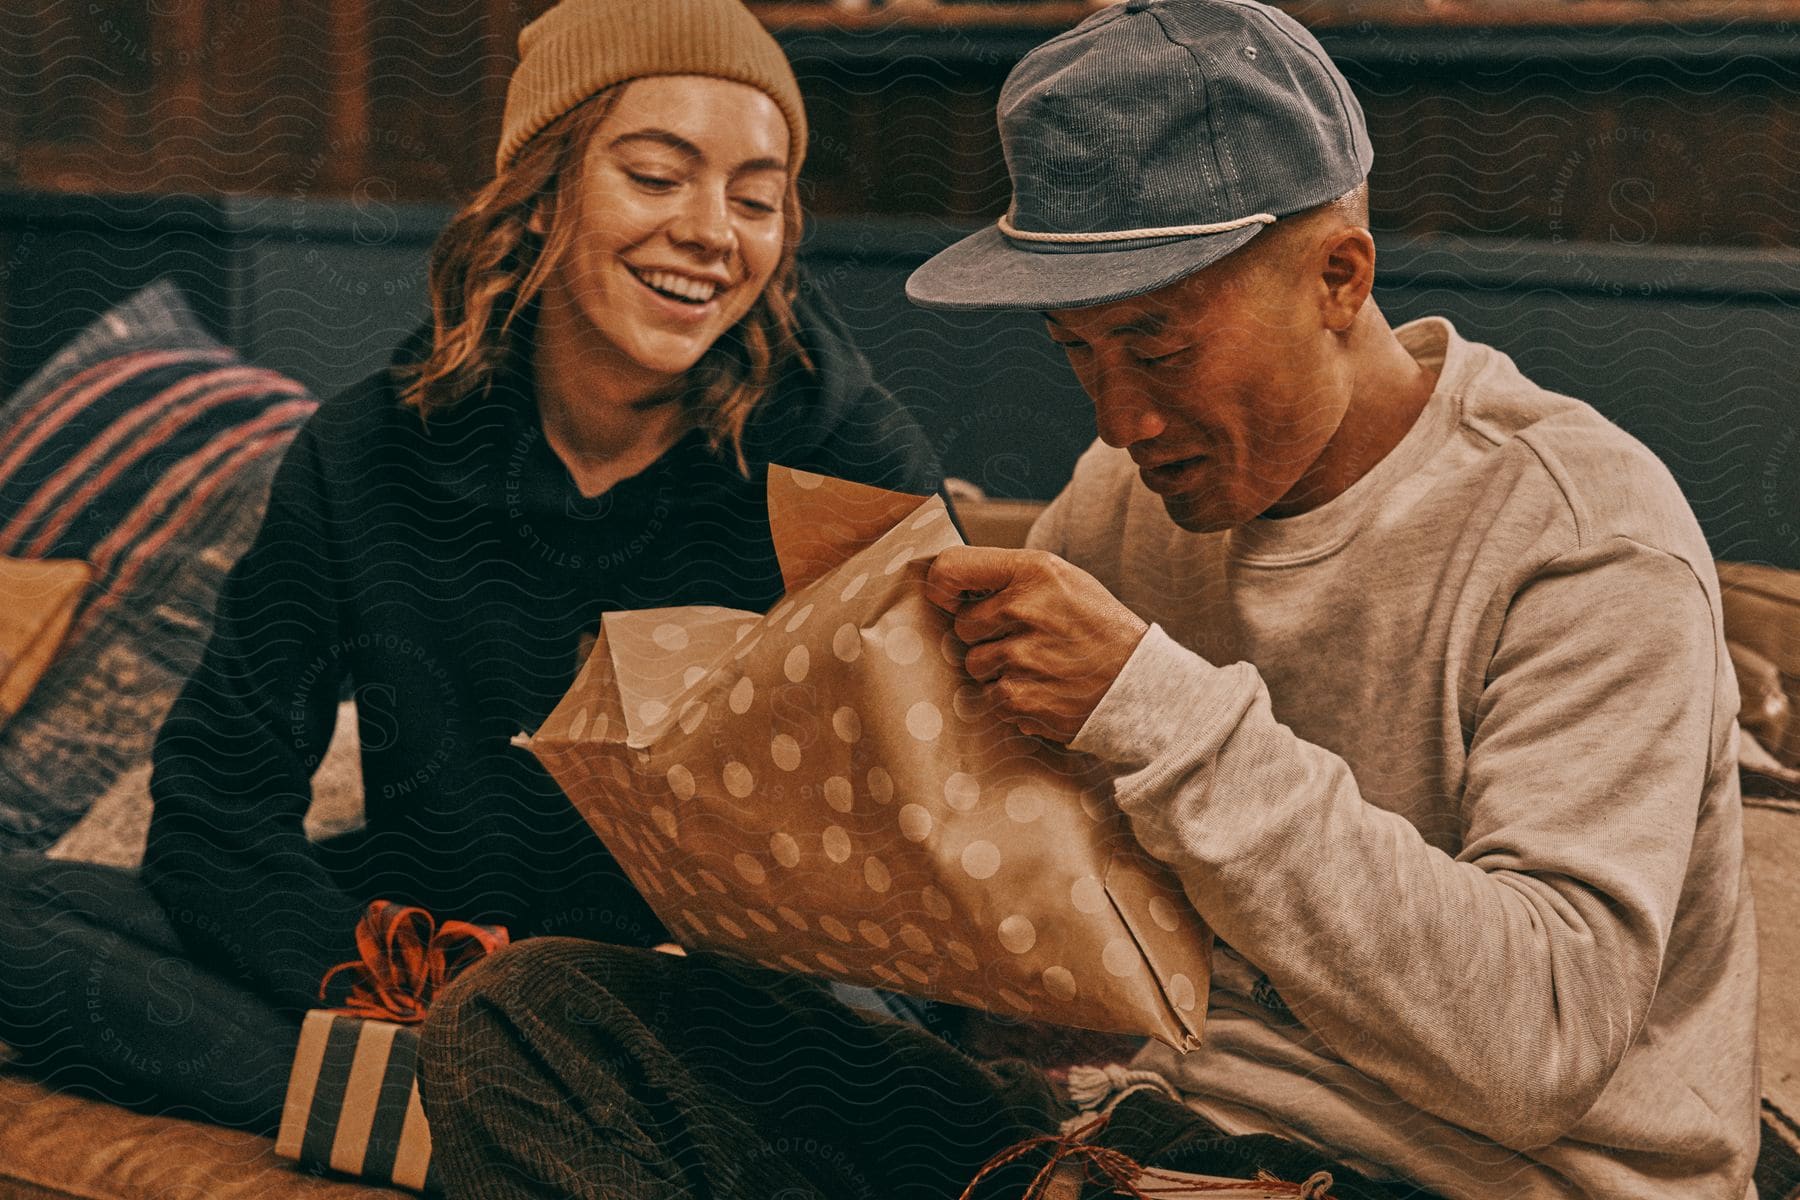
point(618, 349)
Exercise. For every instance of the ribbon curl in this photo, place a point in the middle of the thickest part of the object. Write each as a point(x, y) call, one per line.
point(1102, 1164)
point(406, 958)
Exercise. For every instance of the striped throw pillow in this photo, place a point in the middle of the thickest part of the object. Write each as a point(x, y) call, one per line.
point(145, 448)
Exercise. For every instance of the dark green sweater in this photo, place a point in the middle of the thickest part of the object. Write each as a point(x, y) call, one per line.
point(450, 572)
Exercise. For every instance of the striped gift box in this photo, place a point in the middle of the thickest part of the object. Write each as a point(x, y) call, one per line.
point(353, 1102)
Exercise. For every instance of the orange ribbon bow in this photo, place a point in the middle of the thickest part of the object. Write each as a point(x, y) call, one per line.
point(406, 960)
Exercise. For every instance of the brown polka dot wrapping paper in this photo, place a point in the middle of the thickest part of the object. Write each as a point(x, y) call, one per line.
point(822, 789)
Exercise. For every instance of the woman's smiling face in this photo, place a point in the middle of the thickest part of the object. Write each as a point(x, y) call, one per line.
point(678, 221)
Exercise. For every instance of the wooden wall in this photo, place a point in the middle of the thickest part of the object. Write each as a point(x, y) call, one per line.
point(1622, 121)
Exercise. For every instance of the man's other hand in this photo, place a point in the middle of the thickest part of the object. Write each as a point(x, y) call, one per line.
point(1045, 639)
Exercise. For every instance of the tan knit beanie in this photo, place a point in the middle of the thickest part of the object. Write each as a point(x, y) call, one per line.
point(581, 47)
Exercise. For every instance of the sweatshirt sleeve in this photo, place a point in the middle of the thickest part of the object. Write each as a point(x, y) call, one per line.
point(227, 856)
point(1501, 987)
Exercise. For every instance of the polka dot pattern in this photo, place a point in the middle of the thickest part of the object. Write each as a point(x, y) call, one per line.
point(925, 721)
point(936, 903)
point(1164, 914)
point(903, 646)
point(1087, 895)
point(961, 791)
point(1018, 934)
point(1024, 804)
point(915, 822)
point(894, 831)
point(692, 714)
point(981, 859)
point(1015, 1001)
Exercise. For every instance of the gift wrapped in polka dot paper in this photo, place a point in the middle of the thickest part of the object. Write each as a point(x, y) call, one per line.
point(821, 789)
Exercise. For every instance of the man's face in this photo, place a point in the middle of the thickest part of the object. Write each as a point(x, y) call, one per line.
point(1218, 385)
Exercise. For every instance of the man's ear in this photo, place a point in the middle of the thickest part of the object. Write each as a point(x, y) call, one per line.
point(1347, 271)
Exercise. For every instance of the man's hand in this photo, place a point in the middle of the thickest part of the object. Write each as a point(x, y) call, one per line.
point(1045, 639)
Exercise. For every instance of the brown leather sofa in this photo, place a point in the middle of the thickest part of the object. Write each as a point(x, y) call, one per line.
point(54, 1146)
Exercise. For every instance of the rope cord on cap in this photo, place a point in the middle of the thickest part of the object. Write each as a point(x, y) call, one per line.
point(1131, 235)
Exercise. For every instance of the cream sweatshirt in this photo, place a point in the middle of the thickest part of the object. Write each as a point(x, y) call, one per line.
point(1449, 766)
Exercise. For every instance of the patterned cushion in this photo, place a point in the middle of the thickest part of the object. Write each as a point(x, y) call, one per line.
point(146, 448)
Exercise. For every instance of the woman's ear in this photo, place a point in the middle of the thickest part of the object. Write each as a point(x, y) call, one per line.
point(537, 222)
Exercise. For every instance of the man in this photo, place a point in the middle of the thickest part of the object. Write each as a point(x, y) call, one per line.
point(1411, 670)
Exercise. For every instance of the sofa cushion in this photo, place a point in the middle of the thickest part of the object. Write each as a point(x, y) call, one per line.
point(146, 449)
point(116, 826)
point(1762, 615)
point(54, 1145)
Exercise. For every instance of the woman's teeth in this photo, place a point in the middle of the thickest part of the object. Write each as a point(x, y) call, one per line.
point(678, 287)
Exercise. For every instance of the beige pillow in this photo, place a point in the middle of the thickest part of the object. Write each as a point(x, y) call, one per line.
point(38, 599)
point(113, 831)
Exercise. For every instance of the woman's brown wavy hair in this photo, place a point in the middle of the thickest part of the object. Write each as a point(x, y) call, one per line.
point(488, 265)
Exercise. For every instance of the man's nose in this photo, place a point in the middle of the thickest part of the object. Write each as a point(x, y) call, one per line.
point(703, 222)
point(1124, 413)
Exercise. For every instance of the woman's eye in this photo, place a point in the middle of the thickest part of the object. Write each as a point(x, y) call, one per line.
point(761, 208)
point(1070, 347)
point(654, 183)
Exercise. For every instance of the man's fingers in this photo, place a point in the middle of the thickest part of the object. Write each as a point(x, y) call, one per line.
point(984, 620)
point(961, 572)
point(985, 663)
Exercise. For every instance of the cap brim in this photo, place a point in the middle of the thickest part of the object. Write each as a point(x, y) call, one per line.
point(988, 270)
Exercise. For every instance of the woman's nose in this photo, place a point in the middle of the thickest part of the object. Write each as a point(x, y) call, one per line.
point(704, 221)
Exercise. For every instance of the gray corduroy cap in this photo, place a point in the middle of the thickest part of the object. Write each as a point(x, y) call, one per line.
point(1151, 140)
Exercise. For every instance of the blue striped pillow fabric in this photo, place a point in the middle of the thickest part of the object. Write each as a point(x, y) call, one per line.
point(144, 447)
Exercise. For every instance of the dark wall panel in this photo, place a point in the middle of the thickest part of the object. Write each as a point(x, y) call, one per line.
point(1689, 350)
